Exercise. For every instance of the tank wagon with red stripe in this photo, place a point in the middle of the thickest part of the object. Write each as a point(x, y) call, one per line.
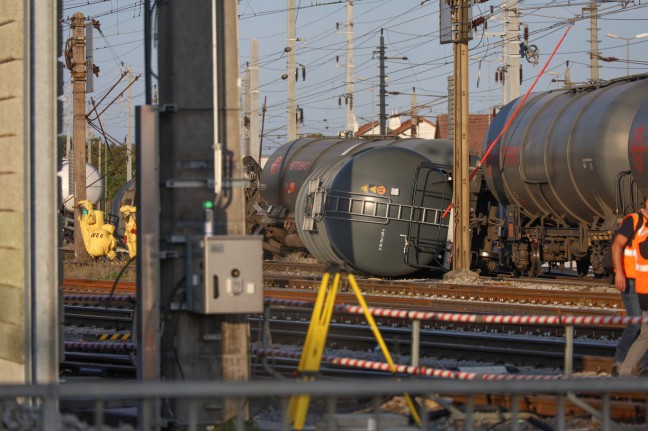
point(568, 167)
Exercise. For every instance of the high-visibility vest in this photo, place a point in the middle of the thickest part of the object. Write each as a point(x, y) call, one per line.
point(630, 250)
point(640, 244)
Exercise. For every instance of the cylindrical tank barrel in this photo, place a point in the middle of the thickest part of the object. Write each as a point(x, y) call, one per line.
point(290, 165)
point(371, 206)
point(94, 185)
point(562, 154)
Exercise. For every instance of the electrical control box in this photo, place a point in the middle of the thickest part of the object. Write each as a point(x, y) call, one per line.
point(232, 276)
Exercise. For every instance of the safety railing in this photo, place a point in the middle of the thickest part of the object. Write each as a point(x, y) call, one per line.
point(568, 322)
point(333, 394)
point(416, 317)
point(45, 401)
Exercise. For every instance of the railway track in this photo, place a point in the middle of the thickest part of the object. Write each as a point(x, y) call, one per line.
point(99, 318)
point(110, 306)
point(105, 347)
point(457, 297)
point(555, 276)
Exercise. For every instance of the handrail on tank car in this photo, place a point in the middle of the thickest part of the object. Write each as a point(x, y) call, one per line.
point(625, 181)
point(382, 209)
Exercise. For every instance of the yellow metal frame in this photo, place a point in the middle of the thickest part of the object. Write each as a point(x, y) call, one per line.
point(311, 358)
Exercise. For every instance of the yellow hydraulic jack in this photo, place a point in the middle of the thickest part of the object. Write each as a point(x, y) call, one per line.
point(311, 358)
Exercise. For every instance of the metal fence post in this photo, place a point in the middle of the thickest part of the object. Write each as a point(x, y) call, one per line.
point(569, 350)
point(416, 342)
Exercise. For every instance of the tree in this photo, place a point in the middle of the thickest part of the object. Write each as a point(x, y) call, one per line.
point(113, 165)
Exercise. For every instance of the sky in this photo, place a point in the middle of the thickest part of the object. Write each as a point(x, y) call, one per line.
point(117, 47)
point(411, 29)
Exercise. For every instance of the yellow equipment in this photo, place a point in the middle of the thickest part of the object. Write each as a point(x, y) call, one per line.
point(311, 358)
point(97, 236)
point(130, 231)
point(102, 242)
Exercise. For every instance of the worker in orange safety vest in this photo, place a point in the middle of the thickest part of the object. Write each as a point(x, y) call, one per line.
point(624, 256)
point(640, 345)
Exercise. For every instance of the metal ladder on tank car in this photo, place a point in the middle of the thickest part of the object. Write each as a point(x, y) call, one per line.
point(416, 243)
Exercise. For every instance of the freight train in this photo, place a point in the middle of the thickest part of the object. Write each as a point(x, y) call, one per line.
point(568, 165)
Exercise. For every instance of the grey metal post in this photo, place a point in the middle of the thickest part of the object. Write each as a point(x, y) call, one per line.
point(330, 414)
point(382, 93)
point(511, 52)
point(560, 412)
point(255, 145)
point(129, 128)
point(291, 72)
point(515, 411)
point(148, 263)
point(569, 349)
point(42, 278)
point(246, 109)
point(605, 407)
point(350, 118)
point(594, 52)
point(469, 423)
point(416, 342)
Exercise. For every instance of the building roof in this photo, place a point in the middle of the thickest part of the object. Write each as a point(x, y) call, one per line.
point(405, 125)
point(362, 130)
point(477, 129)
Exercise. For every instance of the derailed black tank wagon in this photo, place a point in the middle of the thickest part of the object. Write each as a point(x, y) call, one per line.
point(373, 206)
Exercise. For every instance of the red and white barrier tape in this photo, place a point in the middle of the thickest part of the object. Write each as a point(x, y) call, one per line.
point(474, 318)
point(407, 369)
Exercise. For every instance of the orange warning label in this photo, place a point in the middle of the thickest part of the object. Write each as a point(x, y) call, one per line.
point(374, 188)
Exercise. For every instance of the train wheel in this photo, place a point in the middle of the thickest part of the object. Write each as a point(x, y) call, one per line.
point(536, 262)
